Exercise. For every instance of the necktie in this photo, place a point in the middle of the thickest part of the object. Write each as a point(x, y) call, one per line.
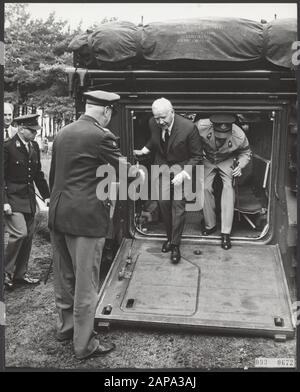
point(29, 148)
point(167, 136)
point(165, 142)
point(6, 133)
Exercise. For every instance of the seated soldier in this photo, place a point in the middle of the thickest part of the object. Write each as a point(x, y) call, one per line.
point(223, 141)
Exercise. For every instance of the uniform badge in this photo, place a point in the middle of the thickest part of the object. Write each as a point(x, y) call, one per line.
point(223, 126)
point(209, 136)
point(229, 144)
point(114, 144)
point(18, 144)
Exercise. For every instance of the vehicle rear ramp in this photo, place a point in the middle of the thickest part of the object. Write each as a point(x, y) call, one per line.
point(241, 291)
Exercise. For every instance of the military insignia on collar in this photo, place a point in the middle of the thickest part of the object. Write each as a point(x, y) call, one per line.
point(18, 144)
point(209, 136)
point(114, 144)
point(229, 144)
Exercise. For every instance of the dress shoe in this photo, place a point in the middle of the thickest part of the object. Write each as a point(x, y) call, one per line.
point(69, 336)
point(225, 241)
point(64, 338)
point(27, 280)
point(209, 231)
point(102, 349)
point(175, 255)
point(167, 247)
point(8, 283)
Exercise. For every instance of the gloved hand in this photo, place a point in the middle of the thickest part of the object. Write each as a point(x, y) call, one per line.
point(47, 201)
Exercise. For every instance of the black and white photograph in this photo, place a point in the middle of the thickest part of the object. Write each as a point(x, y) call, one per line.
point(149, 189)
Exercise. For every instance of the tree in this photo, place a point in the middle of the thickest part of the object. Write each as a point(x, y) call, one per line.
point(36, 53)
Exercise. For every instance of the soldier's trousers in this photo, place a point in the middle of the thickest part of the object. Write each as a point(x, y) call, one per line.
point(227, 198)
point(76, 284)
point(172, 211)
point(20, 229)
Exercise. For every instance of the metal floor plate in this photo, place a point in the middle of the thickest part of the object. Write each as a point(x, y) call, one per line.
point(242, 290)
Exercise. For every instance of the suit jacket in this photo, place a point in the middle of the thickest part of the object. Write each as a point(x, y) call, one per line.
point(236, 144)
point(184, 146)
point(11, 131)
point(78, 150)
point(21, 171)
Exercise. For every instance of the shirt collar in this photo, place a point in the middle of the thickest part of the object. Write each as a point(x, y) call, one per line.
point(169, 129)
point(171, 126)
point(22, 140)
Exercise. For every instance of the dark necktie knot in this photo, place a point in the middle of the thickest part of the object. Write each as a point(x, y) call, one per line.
point(29, 148)
point(165, 141)
point(167, 136)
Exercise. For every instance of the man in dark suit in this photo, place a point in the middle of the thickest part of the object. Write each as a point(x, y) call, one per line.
point(22, 168)
point(175, 141)
point(9, 131)
point(79, 218)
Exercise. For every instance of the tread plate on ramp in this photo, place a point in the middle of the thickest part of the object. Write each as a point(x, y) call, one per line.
point(242, 290)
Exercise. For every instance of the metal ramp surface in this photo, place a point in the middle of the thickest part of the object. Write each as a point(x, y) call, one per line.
point(242, 291)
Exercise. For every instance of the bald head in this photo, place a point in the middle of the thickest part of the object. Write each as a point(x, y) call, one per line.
point(162, 104)
point(163, 112)
point(8, 114)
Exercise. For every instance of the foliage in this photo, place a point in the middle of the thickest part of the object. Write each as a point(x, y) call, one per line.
point(36, 53)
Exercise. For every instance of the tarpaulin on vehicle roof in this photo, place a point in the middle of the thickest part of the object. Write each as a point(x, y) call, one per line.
point(114, 42)
point(225, 41)
point(279, 37)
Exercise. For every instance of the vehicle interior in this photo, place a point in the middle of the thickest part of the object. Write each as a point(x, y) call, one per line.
point(251, 219)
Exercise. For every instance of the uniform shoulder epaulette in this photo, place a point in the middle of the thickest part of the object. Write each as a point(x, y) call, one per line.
point(237, 132)
point(203, 122)
point(100, 127)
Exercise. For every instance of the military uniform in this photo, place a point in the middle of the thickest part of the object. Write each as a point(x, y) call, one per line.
point(79, 221)
point(22, 169)
point(220, 158)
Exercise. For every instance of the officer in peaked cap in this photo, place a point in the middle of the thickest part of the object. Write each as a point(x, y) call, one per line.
point(29, 121)
point(22, 169)
point(223, 141)
point(101, 98)
point(79, 218)
point(222, 124)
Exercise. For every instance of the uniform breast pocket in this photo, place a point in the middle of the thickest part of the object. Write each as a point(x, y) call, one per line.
point(18, 170)
point(15, 188)
point(19, 163)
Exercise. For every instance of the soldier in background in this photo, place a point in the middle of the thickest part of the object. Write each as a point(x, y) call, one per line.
point(222, 142)
point(9, 131)
point(22, 168)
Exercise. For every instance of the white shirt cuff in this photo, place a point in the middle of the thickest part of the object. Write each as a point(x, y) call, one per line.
point(145, 150)
point(186, 174)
